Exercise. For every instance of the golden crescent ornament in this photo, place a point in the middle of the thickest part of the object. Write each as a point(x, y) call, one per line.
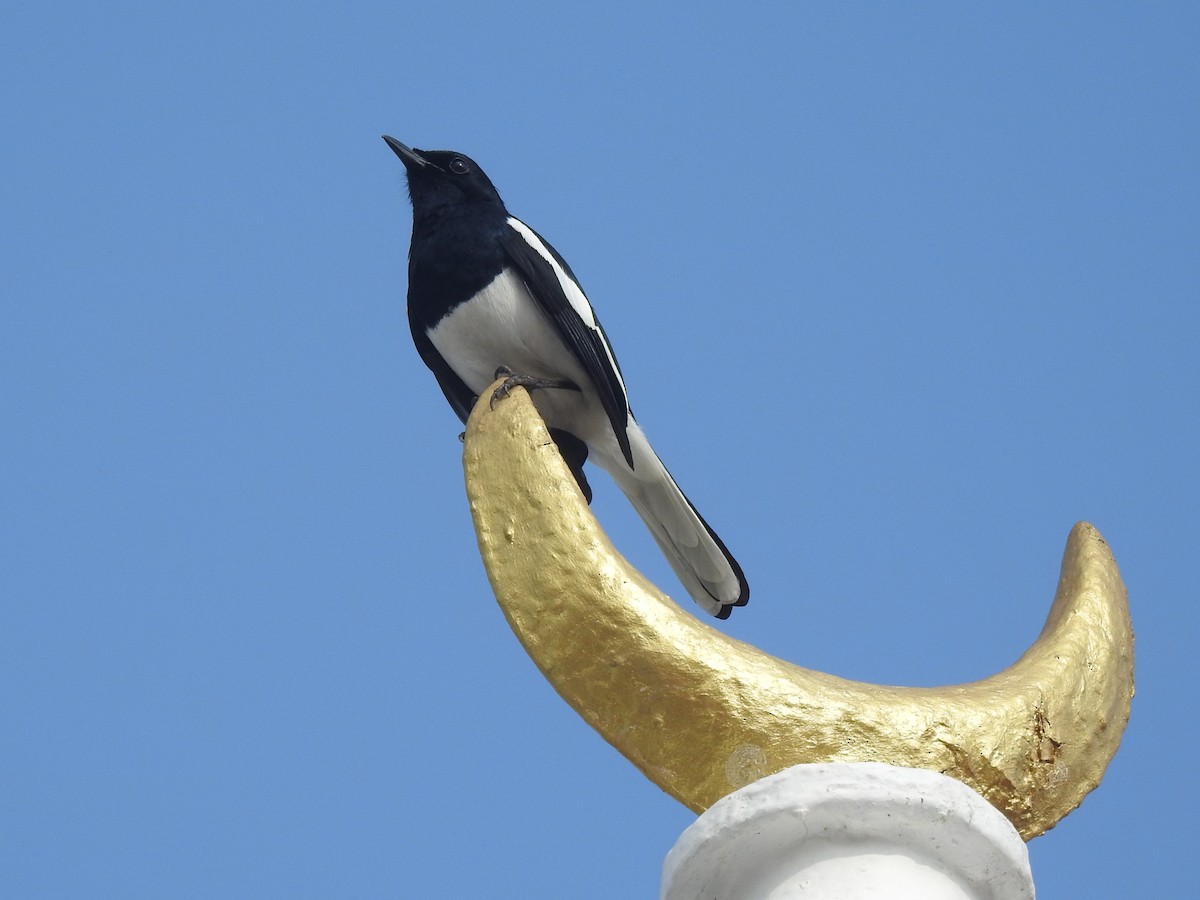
point(702, 714)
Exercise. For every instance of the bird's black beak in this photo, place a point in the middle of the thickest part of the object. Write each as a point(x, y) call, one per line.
point(410, 157)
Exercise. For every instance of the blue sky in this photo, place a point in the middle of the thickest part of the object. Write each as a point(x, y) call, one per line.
point(901, 292)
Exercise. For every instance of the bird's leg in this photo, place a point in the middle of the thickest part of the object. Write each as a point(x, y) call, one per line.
point(529, 382)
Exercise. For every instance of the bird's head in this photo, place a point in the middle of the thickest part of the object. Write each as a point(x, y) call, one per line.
point(443, 178)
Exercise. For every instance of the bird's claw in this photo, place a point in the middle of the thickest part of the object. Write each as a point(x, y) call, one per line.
point(529, 382)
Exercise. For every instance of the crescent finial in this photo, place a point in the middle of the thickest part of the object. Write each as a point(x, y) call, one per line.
point(702, 714)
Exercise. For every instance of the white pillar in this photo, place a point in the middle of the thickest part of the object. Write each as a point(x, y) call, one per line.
point(850, 831)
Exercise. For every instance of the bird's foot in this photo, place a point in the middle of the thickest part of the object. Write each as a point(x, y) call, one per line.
point(529, 382)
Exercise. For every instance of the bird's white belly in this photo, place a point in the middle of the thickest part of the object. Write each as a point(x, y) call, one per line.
point(503, 326)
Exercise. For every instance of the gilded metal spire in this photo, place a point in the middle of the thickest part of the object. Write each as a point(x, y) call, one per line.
point(702, 714)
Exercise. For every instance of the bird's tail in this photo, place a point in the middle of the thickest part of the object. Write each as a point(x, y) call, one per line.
point(707, 569)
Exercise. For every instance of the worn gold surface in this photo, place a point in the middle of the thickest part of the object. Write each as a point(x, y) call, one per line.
point(702, 714)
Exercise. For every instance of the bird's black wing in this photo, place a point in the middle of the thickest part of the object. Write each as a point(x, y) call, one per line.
point(560, 297)
point(460, 396)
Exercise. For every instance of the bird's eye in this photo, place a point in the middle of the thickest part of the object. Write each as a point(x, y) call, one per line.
point(459, 166)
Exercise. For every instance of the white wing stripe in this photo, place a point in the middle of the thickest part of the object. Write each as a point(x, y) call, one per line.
point(575, 296)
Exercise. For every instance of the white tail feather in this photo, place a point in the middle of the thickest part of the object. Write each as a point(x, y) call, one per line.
point(700, 562)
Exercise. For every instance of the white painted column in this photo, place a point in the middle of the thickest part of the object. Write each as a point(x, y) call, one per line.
point(850, 831)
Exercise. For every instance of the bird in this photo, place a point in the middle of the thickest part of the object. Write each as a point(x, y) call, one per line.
point(489, 297)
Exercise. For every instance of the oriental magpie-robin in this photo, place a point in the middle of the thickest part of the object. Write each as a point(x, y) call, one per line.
point(488, 296)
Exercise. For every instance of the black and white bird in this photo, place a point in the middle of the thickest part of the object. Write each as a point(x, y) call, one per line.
point(488, 296)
